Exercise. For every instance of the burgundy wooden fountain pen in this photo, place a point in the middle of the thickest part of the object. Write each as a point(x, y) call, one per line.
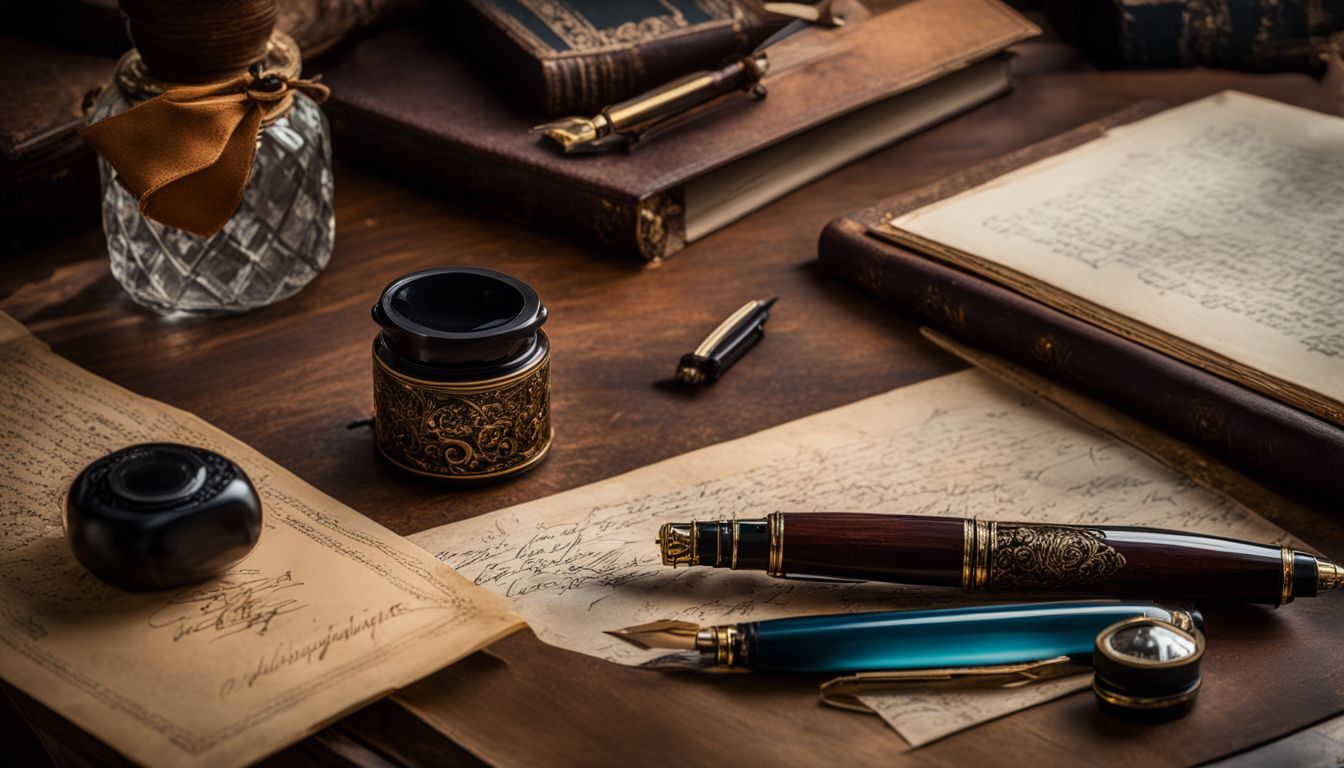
point(980, 555)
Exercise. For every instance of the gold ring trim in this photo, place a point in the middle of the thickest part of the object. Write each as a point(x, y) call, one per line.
point(723, 645)
point(775, 565)
point(737, 534)
point(967, 553)
point(467, 387)
point(718, 543)
point(984, 541)
point(1145, 702)
point(1286, 589)
point(526, 465)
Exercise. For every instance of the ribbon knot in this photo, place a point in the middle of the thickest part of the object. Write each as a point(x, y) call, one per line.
point(186, 155)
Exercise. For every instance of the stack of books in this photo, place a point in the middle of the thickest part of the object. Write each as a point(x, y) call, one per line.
point(414, 104)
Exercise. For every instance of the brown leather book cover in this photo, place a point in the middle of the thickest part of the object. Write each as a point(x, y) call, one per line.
point(48, 177)
point(1256, 433)
point(407, 104)
point(580, 55)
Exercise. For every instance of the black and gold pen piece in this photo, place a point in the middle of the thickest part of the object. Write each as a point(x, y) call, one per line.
point(726, 344)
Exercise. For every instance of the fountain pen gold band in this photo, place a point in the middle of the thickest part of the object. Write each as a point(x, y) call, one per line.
point(1286, 587)
point(776, 567)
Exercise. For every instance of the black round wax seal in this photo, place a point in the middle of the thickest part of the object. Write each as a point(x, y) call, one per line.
point(1147, 669)
point(161, 515)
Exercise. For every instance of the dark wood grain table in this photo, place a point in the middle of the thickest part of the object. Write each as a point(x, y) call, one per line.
point(290, 378)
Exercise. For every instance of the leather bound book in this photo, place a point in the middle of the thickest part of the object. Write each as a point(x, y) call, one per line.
point(48, 176)
point(1254, 35)
point(404, 103)
point(580, 55)
point(1251, 427)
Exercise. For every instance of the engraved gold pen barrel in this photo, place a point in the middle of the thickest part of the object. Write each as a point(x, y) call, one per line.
point(657, 108)
point(980, 555)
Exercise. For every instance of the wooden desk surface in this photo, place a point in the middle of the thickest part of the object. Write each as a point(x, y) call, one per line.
point(288, 379)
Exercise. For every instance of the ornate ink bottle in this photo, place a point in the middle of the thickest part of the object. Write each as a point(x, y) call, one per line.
point(280, 236)
point(461, 374)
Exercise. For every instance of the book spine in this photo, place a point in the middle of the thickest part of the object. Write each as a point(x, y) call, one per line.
point(646, 229)
point(588, 82)
point(1260, 436)
point(1255, 35)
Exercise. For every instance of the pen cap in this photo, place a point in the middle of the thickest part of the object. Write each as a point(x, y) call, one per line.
point(1147, 669)
point(465, 320)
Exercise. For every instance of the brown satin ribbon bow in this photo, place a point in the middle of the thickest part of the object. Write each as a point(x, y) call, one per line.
point(187, 154)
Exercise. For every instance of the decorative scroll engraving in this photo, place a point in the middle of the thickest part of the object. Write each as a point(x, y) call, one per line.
point(581, 34)
point(1046, 557)
point(677, 544)
point(440, 430)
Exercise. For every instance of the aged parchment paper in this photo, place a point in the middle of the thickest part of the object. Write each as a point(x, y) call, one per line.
point(584, 561)
point(330, 610)
point(1212, 231)
point(925, 714)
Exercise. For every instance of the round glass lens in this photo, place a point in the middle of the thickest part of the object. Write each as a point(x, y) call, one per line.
point(1151, 642)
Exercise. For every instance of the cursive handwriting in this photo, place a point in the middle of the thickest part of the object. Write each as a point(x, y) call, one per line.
point(289, 653)
point(239, 601)
point(585, 561)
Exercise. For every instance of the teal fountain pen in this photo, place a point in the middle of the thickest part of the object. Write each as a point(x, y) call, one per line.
point(999, 638)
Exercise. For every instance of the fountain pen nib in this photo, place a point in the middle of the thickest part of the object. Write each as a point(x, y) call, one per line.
point(679, 635)
point(575, 133)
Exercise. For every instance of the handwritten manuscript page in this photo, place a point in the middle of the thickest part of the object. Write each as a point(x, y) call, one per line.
point(584, 561)
point(1213, 232)
point(329, 611)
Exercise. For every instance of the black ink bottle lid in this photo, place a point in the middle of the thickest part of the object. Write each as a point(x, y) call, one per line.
point(461, 374)
point(459, 324)
point(161, 515)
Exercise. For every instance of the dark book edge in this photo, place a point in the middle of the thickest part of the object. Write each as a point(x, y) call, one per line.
point(651, 227)
point(1258, 435)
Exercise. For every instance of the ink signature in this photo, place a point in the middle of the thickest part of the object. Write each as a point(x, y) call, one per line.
point(288, 653)
point(240, 601)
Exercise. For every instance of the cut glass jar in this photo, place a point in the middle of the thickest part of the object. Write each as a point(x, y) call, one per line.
point(277, 241)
